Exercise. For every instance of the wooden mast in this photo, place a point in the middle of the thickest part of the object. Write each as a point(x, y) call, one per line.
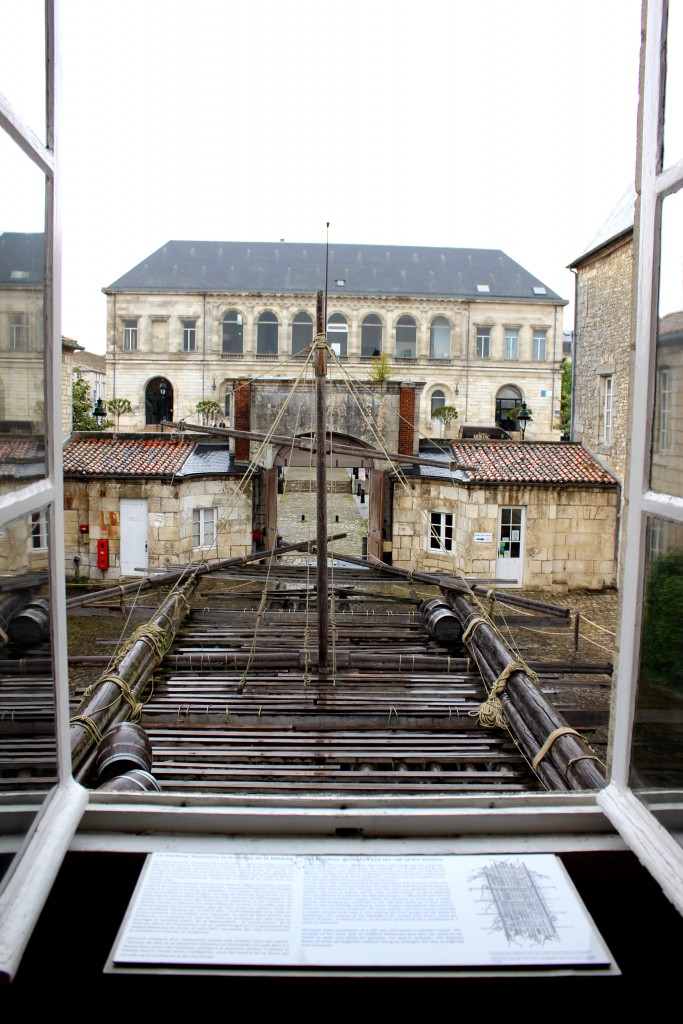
point(321, 483)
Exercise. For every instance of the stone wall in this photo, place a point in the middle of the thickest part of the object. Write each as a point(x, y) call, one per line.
point(468, 383)
point(568, 541)
point(96, 504)
point(603, 349)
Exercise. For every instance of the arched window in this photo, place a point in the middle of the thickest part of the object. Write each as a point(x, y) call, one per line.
point(406, 338)
point(440, 338)
point(438, 400)
point(338, 334)
point(371, 336)
point(302, 332)
point(507, 399)
point(266, 335)
point(233, 333)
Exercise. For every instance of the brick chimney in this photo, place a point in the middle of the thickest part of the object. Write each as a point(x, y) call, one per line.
point(242, 418)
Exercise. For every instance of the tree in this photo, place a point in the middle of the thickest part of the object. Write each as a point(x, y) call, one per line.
point(81, 406)
point(207, 410)
point(119, 406)
point(564, 422)
point(445, 413)
point(662, 644)
point(380, 369)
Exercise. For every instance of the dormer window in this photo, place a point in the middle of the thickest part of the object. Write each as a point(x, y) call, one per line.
point(483, 288)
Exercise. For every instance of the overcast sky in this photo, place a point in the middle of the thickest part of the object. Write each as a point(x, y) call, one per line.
point(504, 124)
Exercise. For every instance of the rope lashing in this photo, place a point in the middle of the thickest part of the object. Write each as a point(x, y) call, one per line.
point(555, 734)
point(585, 757)
point(126, 694)
point(87, 724)
point(490, 713)
point(478, 620)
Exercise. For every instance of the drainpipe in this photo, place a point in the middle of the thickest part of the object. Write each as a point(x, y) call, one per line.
point(552, 390)
point(114, 365)
point(575, 338)
point(467, 363)
point(203, 341)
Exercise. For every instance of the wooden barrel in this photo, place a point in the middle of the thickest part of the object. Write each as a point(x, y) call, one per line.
point(32, 625)
point(443, 625)
point(137, 781)
point(124, 748)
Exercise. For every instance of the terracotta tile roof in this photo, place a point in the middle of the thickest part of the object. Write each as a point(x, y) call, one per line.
point(125, 456)
point(529, 462)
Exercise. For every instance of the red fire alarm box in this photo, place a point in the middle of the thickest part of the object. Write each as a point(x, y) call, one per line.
point(103, 554)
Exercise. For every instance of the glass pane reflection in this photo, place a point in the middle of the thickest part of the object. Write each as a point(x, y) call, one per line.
point(656, 758)
point(666, 474)
point(673, 123)
point(22, 326)
point(22, 59)
point(27, 711)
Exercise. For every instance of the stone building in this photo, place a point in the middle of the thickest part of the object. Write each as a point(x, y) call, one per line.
point(22, 358)
point(154, 500)
point(472, 327)
point(520, 514)
point(602, 360)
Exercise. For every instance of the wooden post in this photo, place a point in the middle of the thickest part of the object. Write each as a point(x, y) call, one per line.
point(271, 507)
point(321, 483)
point(577, 620)
point(376, 514)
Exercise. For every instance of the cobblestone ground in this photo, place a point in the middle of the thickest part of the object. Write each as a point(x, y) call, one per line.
point(346, 513)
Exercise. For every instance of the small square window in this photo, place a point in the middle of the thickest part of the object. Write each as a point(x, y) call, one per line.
point(441, 531)
point(203, 527)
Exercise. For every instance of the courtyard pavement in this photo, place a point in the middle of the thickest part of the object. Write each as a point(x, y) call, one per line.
point(346, 512)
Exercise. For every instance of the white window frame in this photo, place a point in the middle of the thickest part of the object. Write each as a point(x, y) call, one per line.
point(204, 523)
point(39, 531)
point(189, 336)
point(465, 824)
point(130, 335)
point(511, 343)
point(539, 343)
point(483, 342)
point(605, 395)
point(441, 524)
point(18, 332)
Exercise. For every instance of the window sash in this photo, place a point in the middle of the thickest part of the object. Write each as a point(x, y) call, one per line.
point(511, 343)
point(483, 344)
point(539, 340)
point(130, 335)
point(441, 531)
point(203, 527)
point(189, 335)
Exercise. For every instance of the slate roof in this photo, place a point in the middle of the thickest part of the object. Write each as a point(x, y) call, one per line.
point(529, 462)
point(21, 253)
point(619, 222)
point(299, 268)
point(206, 459)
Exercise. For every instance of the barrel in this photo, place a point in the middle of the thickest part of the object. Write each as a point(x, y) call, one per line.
point(442, 624)
point(125, 747)
point(32, 625)
point(137, 781)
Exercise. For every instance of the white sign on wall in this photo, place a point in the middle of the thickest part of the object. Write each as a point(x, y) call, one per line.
point(483, 538)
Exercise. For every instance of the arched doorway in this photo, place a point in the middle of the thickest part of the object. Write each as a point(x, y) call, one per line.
point(158, 401)
point(507, 399)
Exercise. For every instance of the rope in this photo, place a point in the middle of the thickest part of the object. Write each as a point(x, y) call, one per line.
point(490, 714)
point(555, 734)
point(87, 724)
point(126, 693)
point(472, 625)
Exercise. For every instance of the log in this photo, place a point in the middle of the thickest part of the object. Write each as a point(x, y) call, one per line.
point(569, 752)
point(10, 605)
point(173, 576)
point(134, 667)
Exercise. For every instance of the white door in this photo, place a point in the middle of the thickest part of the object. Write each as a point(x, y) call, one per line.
point(509, 564)
point(133, 536)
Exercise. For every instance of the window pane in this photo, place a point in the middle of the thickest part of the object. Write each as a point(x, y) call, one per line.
point(406, 338)
point(657, 751)
point(666, 473)
point(371, 336)
point(266, 337)
point(22, 327)
point(440, 338)
point(673, 122)
point(27, 718)
point(302, 332)
point(337, 334)
point(233, 329)
point(22, 59)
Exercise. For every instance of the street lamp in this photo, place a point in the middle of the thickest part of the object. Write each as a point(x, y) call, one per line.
point(523, 417)
point(99, 412)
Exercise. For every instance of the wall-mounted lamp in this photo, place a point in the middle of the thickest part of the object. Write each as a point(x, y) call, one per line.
point(162, 387)
point(213, 386)
point(457, 389)
point(99, 412)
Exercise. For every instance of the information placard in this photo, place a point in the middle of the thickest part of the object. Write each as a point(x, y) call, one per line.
point(357, 911)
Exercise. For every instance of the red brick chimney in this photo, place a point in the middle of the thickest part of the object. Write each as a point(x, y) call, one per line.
point(406, 426)
point(242, 418)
